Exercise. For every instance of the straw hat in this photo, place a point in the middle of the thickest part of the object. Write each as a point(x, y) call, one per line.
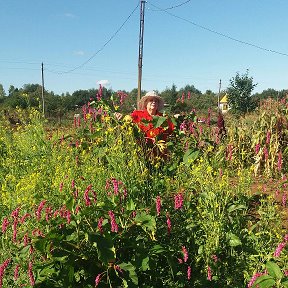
point(148, 96)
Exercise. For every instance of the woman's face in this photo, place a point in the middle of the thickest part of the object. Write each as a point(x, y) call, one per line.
point(152, 105)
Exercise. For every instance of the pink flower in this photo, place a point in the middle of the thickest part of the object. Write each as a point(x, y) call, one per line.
point(68, 216)
point(5, 224)
point(39, 209)
point(24, 217)
point(254, 278)
point(30, 274)
point(77, 209)
point(178, 201)
point(61, 186)
point(16, 272)
point(215, 258)
point(31, 250)
point(97, 280)
point(280, 161)
point(158, 205)
point(209, 273)
point(133, 214)
point(115, 186)
point(15, 213)
point(284, 200)
point(189, 273)
point(277, 192)
point(86, 197)
point(279, 249)
point(183, 126)
point(257, 148)
point(15, 230)
point(26, 239)
point(268, 137)
point(3, 267)
point(99, 93)
point(100, 222)
point(114, 226)
point(266, 154)
point(48, 213)
point(117, 267)
point(185, 253)
point(169, 225)
point(229, 152)
point(73, 184)
point(220, 172)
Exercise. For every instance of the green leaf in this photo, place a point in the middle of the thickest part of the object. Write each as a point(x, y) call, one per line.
point(233, 240)
point(41, 244)
point(104, 246)
point(71, 274)
point(172, 266)
point(145, 264)
point(264, 281)
point(190, 156)
point(131, 269)
point(158, 121)
point(234, 207)
point(147, 222)
point(274, 270)
point(70, 203)
point(72, 237)
point(130, 206)
point(44, 272)
point(285, 284)
point(157, 249)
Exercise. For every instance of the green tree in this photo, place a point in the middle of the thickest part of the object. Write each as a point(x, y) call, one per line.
point(239, 93)
point(2, 91)
point(12, 90)
point(170, 96)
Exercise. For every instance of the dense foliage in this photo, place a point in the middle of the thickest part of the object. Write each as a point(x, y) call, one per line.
point(59, 107)
point(92, 205)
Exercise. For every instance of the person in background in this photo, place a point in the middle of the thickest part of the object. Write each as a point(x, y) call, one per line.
point(150, 105)
point(221, 125)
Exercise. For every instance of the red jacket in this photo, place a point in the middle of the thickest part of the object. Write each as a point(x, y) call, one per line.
point(148, 129)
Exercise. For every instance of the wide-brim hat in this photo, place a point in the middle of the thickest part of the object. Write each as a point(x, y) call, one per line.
point(148, 96)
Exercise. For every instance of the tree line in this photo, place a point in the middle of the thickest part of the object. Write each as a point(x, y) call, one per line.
point(240, 98)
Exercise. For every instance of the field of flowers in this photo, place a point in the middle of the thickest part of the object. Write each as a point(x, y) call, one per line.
point(91, 205)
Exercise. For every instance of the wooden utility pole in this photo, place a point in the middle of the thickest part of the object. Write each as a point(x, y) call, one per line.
point(219, 95)
point(140, 57)
point(42, 74)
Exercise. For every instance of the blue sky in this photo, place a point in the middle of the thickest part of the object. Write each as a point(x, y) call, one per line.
point(185, 42)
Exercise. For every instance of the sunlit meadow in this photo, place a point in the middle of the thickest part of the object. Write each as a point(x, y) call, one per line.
point(91, 205)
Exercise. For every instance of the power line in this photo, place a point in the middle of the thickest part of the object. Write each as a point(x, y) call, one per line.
point(172, 7)
point(104, 45)
point(219, 33)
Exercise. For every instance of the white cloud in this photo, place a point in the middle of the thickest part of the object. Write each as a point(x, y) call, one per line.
point(79, 53)
point(104, 83)
point(69, 15)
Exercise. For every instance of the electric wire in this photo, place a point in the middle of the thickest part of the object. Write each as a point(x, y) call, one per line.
point(219, 33)
point(100, 49)
point(172, 7)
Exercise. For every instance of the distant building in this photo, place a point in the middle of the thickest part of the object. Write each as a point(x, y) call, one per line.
point(223, 104)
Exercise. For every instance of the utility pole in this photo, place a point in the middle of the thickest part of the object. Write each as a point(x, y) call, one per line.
point(219, 95)
point(140, 57)
point(42, 74)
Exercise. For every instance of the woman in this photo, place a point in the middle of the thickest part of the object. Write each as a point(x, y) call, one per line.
point(149, 107)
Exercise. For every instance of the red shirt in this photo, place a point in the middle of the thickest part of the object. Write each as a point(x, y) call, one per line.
point(148, 129)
